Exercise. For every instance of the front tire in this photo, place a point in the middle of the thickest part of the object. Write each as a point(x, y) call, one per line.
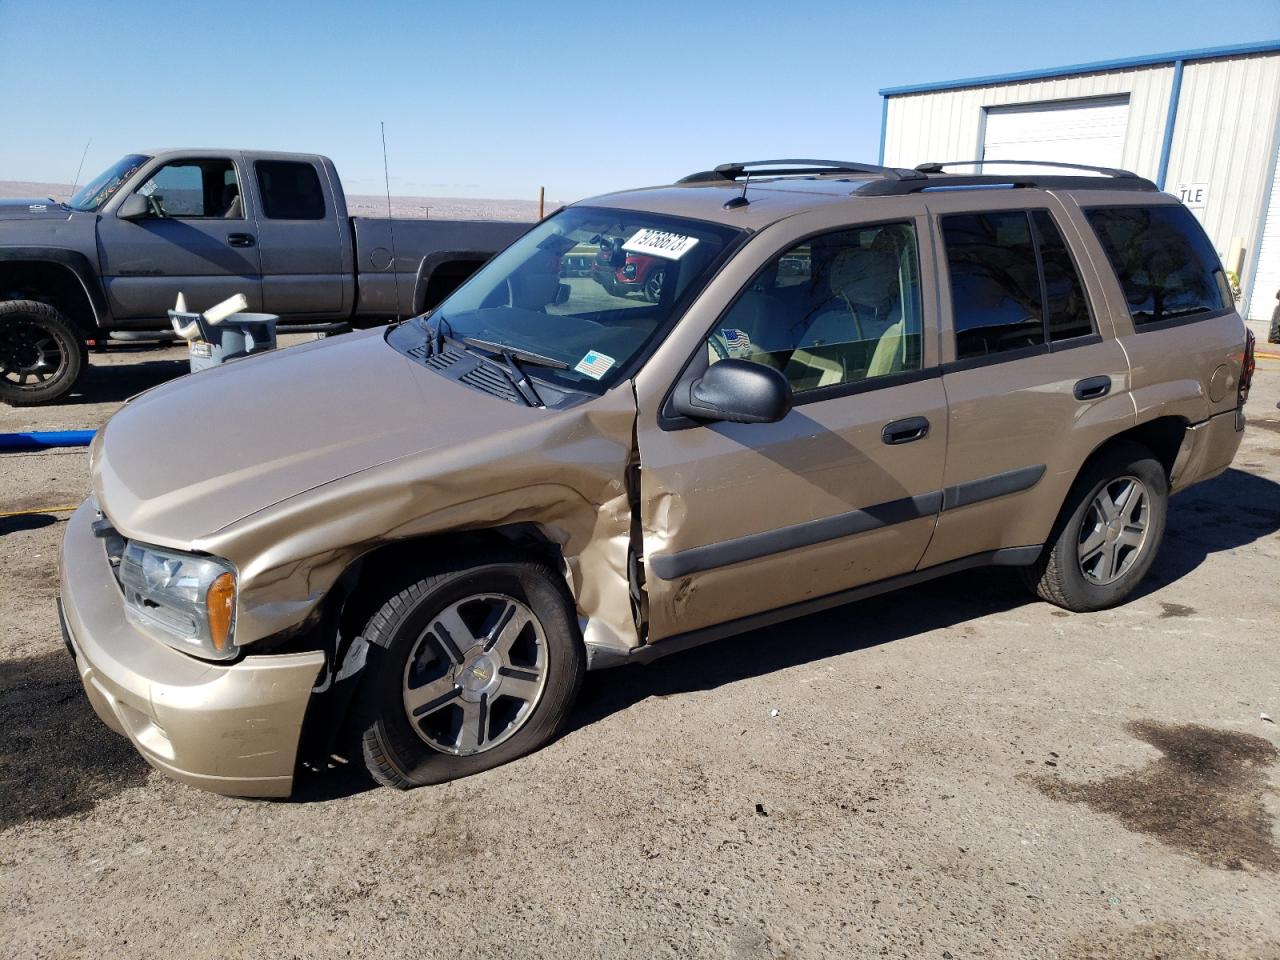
point(469, 667)
point(1108, 533)
point(41, 354)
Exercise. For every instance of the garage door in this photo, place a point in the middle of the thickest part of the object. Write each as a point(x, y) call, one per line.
point(1069, 131)
point(1262, 298)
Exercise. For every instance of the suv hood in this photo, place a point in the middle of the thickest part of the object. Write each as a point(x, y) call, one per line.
point(186, 459)
point(32, 209)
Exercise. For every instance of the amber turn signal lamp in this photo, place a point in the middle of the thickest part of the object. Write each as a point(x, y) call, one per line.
point(221, 604)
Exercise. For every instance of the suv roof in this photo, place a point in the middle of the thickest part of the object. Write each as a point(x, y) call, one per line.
point(781, 188)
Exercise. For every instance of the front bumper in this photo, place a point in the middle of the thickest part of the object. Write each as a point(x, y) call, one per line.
point(232, 729)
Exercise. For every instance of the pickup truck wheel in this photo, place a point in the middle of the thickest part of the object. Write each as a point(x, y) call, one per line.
point(1108, 534)
point(469, 667)
point(41, 354)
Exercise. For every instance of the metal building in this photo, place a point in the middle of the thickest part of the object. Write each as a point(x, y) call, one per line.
point(1203, 124)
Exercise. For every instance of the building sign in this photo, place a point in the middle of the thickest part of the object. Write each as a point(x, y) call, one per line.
point(1194, 195)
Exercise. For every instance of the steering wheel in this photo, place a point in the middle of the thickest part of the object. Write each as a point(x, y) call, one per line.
point(154, 206)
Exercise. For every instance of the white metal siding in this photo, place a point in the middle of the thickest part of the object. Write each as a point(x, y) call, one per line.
point(1071, 131)
point(947, 125)
point(1266, 279)
point(1225, 137)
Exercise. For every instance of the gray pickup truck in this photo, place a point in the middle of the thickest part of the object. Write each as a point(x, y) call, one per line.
point(209, 223)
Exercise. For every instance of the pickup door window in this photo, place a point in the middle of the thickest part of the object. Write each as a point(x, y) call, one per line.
point(196, 240)
point(302, 247)
point(743, 518)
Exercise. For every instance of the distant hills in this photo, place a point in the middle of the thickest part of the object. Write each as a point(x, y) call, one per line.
point(442, 208)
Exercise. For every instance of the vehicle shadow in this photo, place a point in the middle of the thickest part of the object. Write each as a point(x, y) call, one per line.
point(26, 521)
point(1224, 513)
point(868, 623)
point(117, 382)
point(57, 759)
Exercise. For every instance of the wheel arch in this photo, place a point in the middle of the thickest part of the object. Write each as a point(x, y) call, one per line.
point(439, 274)
point(1163, 436)
point(63, 278)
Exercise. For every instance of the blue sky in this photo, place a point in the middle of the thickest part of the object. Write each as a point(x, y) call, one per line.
point(494, 99)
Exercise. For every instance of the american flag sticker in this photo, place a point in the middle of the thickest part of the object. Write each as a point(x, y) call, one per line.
point(736, 340)
point(595, 365)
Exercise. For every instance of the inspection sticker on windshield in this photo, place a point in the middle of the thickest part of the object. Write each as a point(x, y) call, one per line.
point(660, 243)
point(594, 365)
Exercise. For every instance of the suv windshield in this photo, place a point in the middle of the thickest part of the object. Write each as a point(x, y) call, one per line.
point(588, 287)
point(102, 187)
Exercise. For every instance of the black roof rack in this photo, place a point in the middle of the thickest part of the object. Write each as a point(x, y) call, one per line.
point(1107, 171)
point(935, 177)
point(792, 168)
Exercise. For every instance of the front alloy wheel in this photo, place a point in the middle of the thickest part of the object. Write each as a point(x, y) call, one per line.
point(476, 674)
point(469, 665)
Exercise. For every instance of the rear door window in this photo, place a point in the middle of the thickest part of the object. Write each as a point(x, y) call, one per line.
point(290, 190)
point(1166, 266)
point(1069, 315)
point(995, 283)
point(1014, 284)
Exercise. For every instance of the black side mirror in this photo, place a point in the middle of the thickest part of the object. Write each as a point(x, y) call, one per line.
point(618, 256)
point(134, 207)
point(738, 391)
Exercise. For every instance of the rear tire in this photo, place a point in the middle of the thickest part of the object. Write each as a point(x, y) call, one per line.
point(41, 353)
point(1107, 534)
point(495, 683)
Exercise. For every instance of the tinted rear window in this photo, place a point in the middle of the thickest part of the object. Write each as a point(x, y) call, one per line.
point(290, 190)
point(995, 284)
point(1164, 262)
point(1069, 315)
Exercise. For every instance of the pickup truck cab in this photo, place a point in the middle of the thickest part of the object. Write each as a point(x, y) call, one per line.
point(209, 223)
point(410, 543)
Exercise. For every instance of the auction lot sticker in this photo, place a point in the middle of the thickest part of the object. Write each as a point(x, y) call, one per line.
point(660, 243)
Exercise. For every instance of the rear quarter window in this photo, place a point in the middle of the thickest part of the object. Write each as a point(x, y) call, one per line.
point(1166, 266)
point(290, 190)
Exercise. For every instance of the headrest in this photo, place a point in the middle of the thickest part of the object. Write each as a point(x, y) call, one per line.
point(862, 275)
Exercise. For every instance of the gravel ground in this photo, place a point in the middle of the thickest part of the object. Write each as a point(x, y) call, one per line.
point(953, 770)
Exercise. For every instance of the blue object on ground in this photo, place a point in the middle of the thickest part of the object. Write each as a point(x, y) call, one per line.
point(46, 438)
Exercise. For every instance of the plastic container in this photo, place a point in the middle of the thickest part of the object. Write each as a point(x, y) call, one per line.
point(223, 332)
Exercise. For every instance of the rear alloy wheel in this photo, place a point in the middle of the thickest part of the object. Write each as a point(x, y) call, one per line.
point(1108, 533)
point(41, 355)
point(1114, 530)
point(468, 668)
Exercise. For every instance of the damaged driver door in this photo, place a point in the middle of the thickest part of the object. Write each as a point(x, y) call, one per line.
point(842, 491)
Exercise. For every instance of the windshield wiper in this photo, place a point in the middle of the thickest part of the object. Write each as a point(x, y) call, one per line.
point(527, 356)
point(496, 351)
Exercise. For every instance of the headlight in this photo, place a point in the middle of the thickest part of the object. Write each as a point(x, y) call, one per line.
point(188, 601)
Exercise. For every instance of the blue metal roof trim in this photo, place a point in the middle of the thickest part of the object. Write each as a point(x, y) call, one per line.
point(1207, 53)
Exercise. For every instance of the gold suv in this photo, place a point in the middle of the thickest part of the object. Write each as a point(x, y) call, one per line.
point(410, 543)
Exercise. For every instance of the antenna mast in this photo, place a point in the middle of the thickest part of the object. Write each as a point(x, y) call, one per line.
point(80, 169)
point(391, 223)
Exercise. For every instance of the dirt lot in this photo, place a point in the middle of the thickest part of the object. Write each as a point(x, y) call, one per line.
point(953, 771)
